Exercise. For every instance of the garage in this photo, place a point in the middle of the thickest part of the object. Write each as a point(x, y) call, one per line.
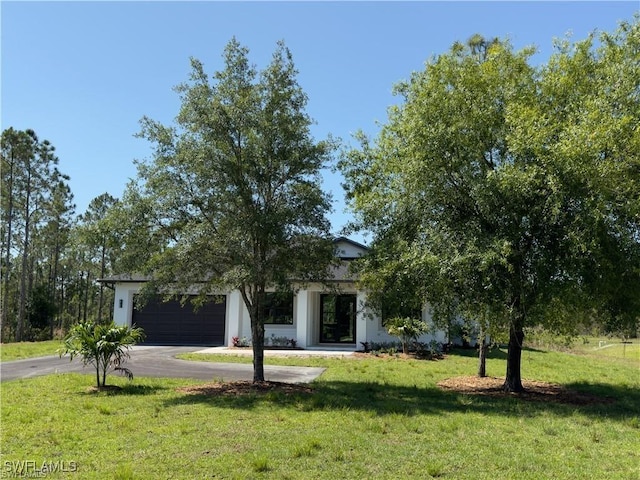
point(170, 323)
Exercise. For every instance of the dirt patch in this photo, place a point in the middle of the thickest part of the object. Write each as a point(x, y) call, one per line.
point(104, 388)
point(225, 389)
point(534, 390)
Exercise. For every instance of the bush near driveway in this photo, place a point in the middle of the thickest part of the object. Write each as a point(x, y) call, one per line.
point(103, 346)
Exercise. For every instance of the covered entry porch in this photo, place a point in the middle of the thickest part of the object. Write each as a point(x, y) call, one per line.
point(315, 318)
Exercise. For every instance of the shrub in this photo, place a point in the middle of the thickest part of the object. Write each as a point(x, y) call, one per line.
point(103, 346)
point(406, 329)
point(240, 342)
point(274, 341)
point(379, 348)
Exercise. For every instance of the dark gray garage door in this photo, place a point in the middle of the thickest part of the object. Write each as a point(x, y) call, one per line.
point(169, 323)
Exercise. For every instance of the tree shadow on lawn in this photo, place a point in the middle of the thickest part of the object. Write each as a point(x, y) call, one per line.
point(383, 399)
point(499, 353)
point(129, 389)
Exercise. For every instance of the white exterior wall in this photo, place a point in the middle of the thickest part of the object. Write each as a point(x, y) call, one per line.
point(306, 306)
point(364, 324)
point(234, 316)
point(382, 336)
point(306, 317)
point(313, 317)
point(302, 310)
point(123, 302)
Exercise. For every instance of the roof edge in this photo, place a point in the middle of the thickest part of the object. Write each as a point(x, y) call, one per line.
point(352, 242)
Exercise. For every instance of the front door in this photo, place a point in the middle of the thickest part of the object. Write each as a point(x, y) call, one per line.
point(338, 319)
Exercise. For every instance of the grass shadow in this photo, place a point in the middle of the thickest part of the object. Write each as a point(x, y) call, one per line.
point(499, 353)
point(384, 399)
point(127, 390)
point(624, 400)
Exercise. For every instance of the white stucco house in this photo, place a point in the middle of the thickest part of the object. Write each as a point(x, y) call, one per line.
point(332, 314)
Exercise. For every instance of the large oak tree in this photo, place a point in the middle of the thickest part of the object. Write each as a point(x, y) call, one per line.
point(509, 194)
point(233, 187)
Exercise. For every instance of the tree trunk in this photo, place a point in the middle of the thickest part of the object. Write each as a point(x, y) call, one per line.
point(78, 296)
point(105, 367)
point(257, 340)
point(513, 380)
point(86, 296)
point(97, 374)
point(101, 288)
point(23, 276)
point(61, 311)
point(482, 353)
point(253, 300)
point(4, 315)
point(56, 260)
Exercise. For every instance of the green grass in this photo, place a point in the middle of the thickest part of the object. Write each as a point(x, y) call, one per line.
point(367, 418)
point(21, 350)
point(608, 347)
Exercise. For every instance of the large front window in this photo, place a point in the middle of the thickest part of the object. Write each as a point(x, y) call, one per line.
point(278, 308)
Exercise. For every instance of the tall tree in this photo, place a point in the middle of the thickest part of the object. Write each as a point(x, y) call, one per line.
point(584, 122)
point(48, 248)
point(482, 176)
point(234, 186)
point(61, 212)
point(32, 190)
point(16, 148)
point(36, 213)
point(99, 236)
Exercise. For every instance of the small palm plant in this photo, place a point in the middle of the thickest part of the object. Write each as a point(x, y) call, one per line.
point(406, 329)
point(102, 346)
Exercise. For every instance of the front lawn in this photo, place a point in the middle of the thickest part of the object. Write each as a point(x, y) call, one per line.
point(21, 350)
point(602, 346)
point(365, 418)
point(609, 347)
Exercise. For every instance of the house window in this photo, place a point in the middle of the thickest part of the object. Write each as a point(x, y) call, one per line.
point(278, 309)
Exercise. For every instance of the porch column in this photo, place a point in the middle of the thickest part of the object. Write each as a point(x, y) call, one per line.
point(122, 306)
point(302, 318)
point(123, 303)
point(234, 311)
point(363, 321)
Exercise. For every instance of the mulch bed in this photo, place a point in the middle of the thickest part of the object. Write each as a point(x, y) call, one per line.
point(471, 385)
point(225, 389)
point(534, 390)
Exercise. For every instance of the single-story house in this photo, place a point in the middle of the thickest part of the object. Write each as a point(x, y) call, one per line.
point(316, 315)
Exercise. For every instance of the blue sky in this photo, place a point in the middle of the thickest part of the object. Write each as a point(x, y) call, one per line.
point(82, 74)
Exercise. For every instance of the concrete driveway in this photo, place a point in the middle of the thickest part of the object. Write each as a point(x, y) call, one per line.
point(148, 361)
